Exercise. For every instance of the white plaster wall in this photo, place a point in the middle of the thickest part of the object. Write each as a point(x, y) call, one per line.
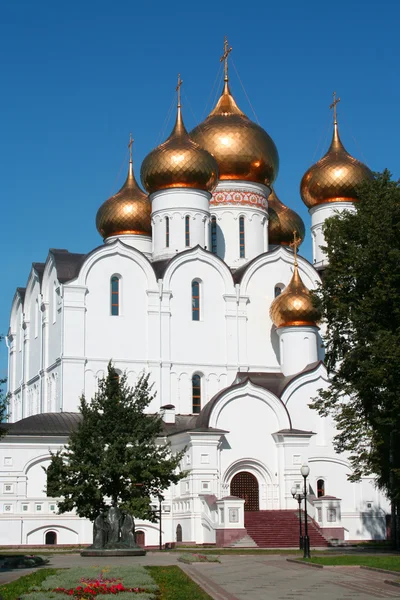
point(318, 216)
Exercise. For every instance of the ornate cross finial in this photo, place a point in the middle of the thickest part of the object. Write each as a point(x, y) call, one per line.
point(224, 57)
point(295, 244)
point(131, 140)
point(333, 105)
point(178, 89)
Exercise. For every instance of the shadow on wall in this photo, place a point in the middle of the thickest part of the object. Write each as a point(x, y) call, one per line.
point(374, 524)
point(221, 242)
point(275, 344)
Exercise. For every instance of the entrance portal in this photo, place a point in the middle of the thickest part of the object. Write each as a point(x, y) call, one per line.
point(245, 485)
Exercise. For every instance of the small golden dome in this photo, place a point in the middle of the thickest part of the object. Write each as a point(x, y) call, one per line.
point(179, 163)
point(282, 222)
point(127, 212)
point(335, 177)
point(294, 306)
point(243, 150)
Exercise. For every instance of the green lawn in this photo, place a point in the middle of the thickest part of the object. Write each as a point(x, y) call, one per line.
point(392, 563)
point(11, 591)
point(174, 584)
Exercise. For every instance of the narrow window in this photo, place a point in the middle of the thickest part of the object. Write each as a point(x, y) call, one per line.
point(115, 296)
point(167, 232)
point(195, 301)
point(196, 394)
point(214, 235)
point(241, 237)
point(187, 231)
point(320, 488)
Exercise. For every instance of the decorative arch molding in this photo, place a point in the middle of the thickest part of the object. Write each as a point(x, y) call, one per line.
point(33, 279)
point(253, 466)
point(279, 254)
point(49, 276)
point(204, 256)
point(298, 382)
point(330, 459)
point(47, 528)
point(16, 306)
point(249, 389)
point(34, 461)
point(116, 248)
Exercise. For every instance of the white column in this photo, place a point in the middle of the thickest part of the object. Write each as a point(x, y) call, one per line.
point(318, 216)
point(298, 347)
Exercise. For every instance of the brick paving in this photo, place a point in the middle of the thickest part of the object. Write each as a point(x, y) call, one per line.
point(253, 577)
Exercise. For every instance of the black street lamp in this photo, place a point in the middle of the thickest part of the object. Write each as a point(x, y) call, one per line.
point(158, 512)
point(298, 496)
point(305, 471)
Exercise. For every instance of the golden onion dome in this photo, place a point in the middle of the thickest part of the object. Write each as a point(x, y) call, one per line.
point(179, 163)
point(335, 177)
point(294, 306)
point(127, 212)
point(243, 150)
point(282, 222)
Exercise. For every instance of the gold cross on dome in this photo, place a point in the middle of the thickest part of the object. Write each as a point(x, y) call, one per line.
point(131, 140)
point(178, 88)
point(333, 105)
point(295, 244)
point(224, 57)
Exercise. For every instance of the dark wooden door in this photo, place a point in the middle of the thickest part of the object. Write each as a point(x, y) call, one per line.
point(245, 485)
point(139, 537)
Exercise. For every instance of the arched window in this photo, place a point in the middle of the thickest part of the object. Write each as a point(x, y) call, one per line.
point(179, 533)
point(51, 538)
point(196, 394)
point(241, 238)
point(195, 301)
point(115, 296)
point(167, 232)
point(320, 488)
point(214, 235)
point(278, 289)
point(187, 231)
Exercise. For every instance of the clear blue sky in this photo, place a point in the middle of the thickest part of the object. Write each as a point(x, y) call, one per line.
point(77, 77)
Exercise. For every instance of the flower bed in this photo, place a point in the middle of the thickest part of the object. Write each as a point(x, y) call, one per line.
point(82, 583)
point(192, 557)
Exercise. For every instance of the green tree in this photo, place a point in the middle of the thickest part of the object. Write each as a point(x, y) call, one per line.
point(114, 455)
point(360, 303)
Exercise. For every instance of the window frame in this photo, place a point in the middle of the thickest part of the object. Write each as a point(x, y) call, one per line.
point(242, 238)
point(196, 393)
point(187, 231)
point(196, 315)
point(115, 278)
point(167, 232)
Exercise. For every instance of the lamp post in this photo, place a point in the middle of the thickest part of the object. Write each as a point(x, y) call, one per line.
point(157, 510)
point(297, 495)
point(305, 470)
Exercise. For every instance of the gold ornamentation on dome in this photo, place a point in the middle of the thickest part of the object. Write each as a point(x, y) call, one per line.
point(128, 211)
point(179, 162)
point(282, 222)
point(294, 306)
point(244, 150)
point(336, 176)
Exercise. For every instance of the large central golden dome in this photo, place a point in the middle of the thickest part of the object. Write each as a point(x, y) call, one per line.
point(335, 177)
point(127, 212)
point(243, 150)
point(179, 163)
point(282, 222)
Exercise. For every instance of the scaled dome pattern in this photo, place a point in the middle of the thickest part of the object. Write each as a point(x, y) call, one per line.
point(294, 306)
point(282, 222)
point(179, 163)
point(335, 177)
point(127, 212)
point(243, 150)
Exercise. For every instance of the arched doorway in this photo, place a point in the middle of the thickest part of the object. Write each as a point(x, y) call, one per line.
point(179, 533)
point(245, 485)
point(51, 538)
point(140, 539)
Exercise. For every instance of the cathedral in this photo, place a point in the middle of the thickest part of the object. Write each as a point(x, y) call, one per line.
point(199, 282)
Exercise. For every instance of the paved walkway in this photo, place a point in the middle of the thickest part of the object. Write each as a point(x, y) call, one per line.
point(256, 577)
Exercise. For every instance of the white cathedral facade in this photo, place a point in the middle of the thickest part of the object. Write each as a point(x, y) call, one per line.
point(196, 284)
